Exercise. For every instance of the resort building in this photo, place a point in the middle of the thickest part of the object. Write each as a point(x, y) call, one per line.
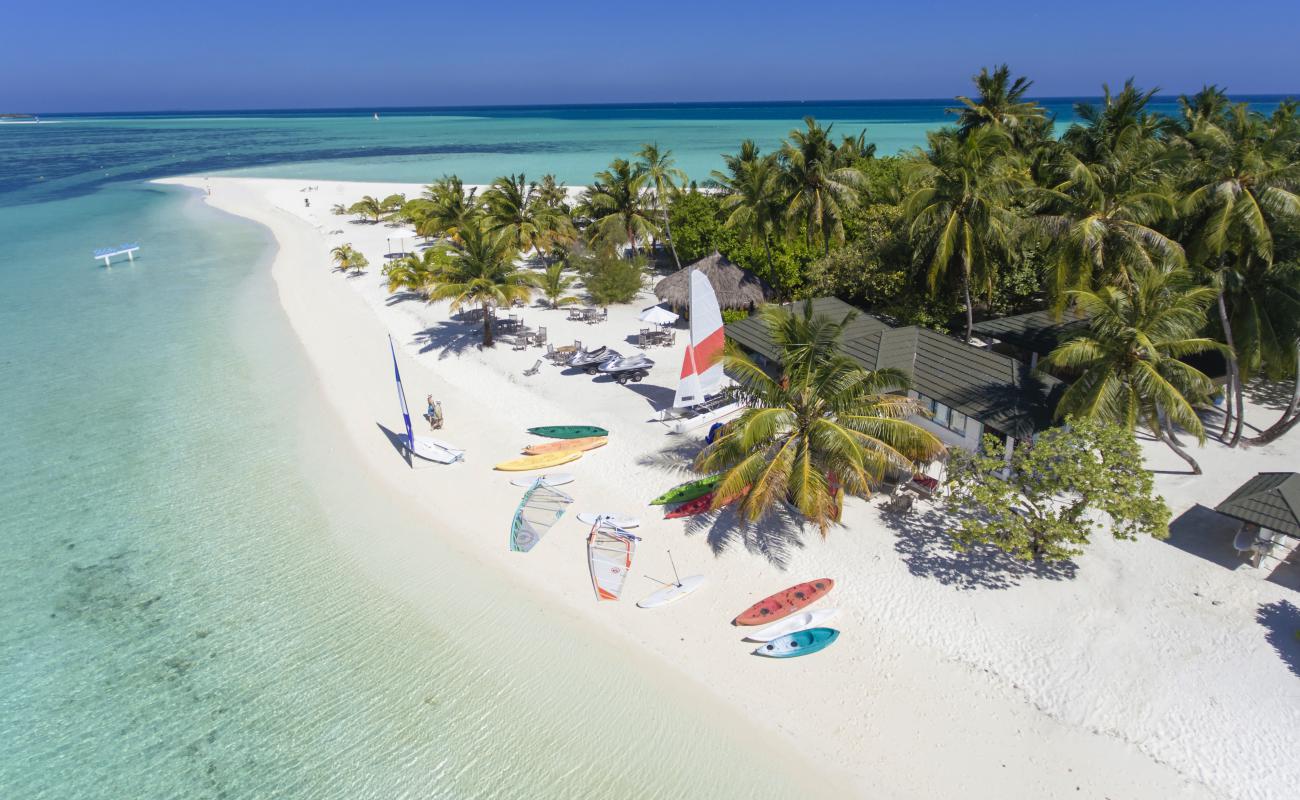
point(969, 390)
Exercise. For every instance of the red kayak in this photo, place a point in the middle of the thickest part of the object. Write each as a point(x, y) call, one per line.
point(700, 505)
point(785, 602)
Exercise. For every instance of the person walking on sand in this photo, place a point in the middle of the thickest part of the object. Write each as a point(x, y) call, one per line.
point(433, 413)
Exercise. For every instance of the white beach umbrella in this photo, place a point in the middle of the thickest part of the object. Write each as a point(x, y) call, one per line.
point(658, 315)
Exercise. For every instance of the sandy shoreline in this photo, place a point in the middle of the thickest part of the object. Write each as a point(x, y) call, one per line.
point(1143, 675)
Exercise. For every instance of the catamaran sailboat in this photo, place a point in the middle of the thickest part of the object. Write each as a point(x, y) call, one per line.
point(423, 447)
point(698, 400)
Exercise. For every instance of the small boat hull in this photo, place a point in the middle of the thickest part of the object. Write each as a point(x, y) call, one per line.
point(672, 592)
point(567, 445)
point(792, 624)
point(802, 643)
point(568, 431)
point(433, 451)
point(785, 602)
point(687, 491)
point(617, 520)
point(537, 462)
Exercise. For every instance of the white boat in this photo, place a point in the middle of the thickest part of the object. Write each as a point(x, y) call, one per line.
point(792, 624)
point(426, 448)
point(672, 592)
point(701, 364)
point(558, 479)
point(617, 520)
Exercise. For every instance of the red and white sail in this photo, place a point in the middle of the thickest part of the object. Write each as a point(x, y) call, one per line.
point(702, 364)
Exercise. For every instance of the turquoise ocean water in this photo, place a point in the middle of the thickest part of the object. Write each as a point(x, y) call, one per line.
point(182, 613)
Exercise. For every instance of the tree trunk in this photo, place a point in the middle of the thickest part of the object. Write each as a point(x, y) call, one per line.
point(1290, 416)
point(668, 234)
point(1227, 409)
point(1234, 370)
point(970, 311)
point(487, 328)
point(1183, 454)
point(631, 240)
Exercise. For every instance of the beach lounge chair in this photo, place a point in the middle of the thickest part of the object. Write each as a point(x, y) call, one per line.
point(535, 368)
point(643, 338)
point(900, 504)
point(539, 338)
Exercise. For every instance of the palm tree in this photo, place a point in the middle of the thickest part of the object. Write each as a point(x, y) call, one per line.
point(1243, 192)
point(342, 256)
point(368, 207)
point(824, 421)
point(754, 200)
point(616, 201)
point(512, 211)
point(391, 206)
point(417, 273)
point(821, 189)
point(1128, 363)
point(960, 216)
point(482, 273)
point(448, 207)
point(664, 178)
point(1001, 102)
point(554, 283)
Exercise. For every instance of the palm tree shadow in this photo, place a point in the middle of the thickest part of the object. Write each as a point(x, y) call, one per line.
point(925, 546)
point(776, 537)
point(676, 458)
point(1282, 623)
point(448, 338)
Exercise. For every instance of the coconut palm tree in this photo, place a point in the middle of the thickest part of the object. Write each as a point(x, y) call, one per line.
point(1241, 195)
point(512, 211)
point(664, 178)
point(616, 202)
point(481, 272)
point(448, 207)
point(960, 211)
point(1001, 102)
point(824, 421)
point(754, 200)
point(554, 283)
point(342, 256)
point(1128, 363)
point(368, 207)
point(820, 188)
point(417, 273)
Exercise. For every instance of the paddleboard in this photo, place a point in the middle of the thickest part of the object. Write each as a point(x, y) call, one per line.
point(537, 462)
point(567, 445)
point(617, 520)
point(802, 643)
point(672, 592)
point(785, 602)
point(568, 431)
point(792, 624)
point(557, 479)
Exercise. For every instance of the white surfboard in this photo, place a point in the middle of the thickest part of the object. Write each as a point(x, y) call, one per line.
point(796, 622)
point(431, 451)
point(672, 592)
point(558, 479)
point(617, 520)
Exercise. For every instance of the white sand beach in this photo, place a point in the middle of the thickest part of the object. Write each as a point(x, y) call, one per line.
point(1145, 669)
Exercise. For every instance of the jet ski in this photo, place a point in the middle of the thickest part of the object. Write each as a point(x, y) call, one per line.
point(590, 360)
point(633, 368)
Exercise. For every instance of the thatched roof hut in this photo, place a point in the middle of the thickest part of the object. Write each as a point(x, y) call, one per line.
point(734, 286)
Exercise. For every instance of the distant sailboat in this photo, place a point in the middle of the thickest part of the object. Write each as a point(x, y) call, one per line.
point(376, 116)
point(695, 402)
point(428, 449)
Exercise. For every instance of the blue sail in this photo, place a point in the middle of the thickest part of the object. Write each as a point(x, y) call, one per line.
point(401, 397)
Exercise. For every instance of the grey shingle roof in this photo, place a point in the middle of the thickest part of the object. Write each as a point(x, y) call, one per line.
point(995, 389)
point(1037, 331)
point(1270, 500)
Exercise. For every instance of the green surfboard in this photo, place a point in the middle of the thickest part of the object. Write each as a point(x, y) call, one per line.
point(687, 491)
point(568, 431)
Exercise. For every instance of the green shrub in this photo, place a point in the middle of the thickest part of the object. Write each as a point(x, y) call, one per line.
point(610, 279)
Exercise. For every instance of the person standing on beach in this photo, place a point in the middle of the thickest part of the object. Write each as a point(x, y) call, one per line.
point(433, 413)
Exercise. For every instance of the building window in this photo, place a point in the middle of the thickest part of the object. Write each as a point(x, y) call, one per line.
point(942, 415)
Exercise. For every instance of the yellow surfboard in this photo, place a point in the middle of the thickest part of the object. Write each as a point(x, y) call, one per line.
point(538, 462)
point(567, 446)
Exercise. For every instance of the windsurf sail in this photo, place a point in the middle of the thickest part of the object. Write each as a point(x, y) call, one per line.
point(609, 552)
point(540, 509)
point(702, 365)
point(424, 448)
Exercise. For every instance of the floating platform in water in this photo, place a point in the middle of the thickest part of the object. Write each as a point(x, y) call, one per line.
point(108, 253)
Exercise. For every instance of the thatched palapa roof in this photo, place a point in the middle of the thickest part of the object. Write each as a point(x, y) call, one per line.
point(734, 286)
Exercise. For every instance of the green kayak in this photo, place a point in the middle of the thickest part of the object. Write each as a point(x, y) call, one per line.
point(568, 431)
point(687, 491)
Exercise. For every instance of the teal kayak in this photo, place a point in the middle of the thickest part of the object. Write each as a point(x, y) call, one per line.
point(800, 643)
point(687, 491)
point(568, 431)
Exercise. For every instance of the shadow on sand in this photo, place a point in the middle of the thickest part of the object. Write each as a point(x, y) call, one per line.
point(1281, 621)
point(922, 541)
point(449, 338)
point(1207, 534)
point(775, 538)
point(398, 441)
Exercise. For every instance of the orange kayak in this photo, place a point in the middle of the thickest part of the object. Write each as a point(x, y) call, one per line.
point(567, 445)
point(785, 602)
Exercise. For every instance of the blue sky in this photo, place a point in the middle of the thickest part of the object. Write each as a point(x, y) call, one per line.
point(94, 56)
